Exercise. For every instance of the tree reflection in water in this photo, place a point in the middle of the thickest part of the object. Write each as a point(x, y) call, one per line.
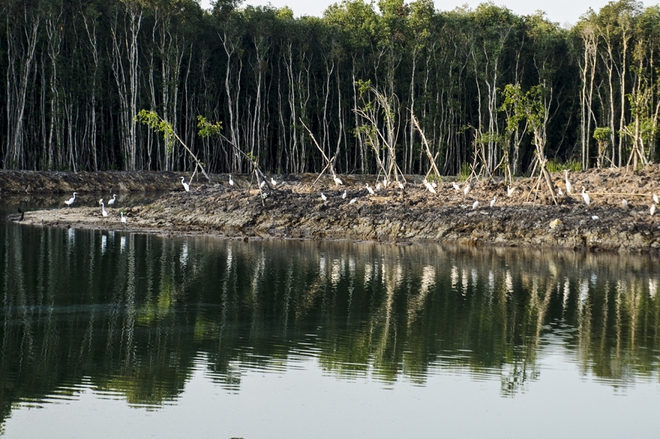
point(133, 314)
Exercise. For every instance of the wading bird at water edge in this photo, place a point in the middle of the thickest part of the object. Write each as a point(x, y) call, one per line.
point(70, 201)
point(112, 201)
point(103, 212)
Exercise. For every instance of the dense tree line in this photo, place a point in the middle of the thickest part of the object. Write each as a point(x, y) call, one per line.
point(487, 86)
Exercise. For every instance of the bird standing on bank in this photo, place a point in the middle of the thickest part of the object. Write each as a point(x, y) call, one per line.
point(492, 202)
point(323, 197)
point(371, 191)
point(123, 218)
point(231, 180)
point(343, 196)
point(337, 180)
point(652, 211)
point(103, 211)
point(510, 190)
point(112, 201)
point(585, 196)
point(70, 201)
point(569, 186)
point(186, 186)
point(467, 189)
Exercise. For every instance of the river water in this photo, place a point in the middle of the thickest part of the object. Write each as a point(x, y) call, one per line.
point(124, 335)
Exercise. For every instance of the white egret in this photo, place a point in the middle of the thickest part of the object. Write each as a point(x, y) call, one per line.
point(467, 189)
point(656, 200)
point(652, 211)
point(337, 180)
point(429, 187)
point(400, 184)
point(586, 197)
point(103, 211)
point(231, 180)
point(385, 182)
point(262, 184)
point(273, 182)
point(371, 191)
point(323, 197)
point(353, 200)
point(434, 184)
point(377, 186)
point(594, 217)
point(624, 202)
point(343, 196)
point(455, 186)
point(492, 202)
point(569, 186)
point(70, 201)
point(123, 218)
point(560, 192)
point(475, 204)
point(112, 201)
point(186, 186)
point(510, 190)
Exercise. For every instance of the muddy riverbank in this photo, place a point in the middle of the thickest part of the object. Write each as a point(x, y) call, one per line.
point(295, 209)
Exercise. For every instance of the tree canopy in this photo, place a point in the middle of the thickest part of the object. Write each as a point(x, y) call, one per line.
point(77, 72)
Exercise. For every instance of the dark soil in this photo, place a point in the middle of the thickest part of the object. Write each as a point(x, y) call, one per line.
point(293, 209)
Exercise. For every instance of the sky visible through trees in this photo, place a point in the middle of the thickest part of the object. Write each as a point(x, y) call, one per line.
point(487, 87)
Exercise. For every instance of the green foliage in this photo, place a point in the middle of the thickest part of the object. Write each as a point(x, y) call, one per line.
point(206, 128)
point(601, 134)
point(555, 166)
point(466, 170)
point(156, 123)
point(262, 69)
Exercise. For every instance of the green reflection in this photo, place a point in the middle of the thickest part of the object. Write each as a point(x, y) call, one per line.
point(130, 314)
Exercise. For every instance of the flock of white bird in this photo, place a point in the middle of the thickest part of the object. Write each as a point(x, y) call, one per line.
point(467, 188)
point(104, 212)
point(430, 186)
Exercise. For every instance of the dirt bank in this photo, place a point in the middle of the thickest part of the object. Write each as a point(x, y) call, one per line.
point(295, 210)
point(28, 182)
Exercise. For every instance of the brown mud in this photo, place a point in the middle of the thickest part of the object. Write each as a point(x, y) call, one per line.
point(295, 209)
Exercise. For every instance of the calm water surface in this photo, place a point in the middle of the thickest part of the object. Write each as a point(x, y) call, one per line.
point(122, 335)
